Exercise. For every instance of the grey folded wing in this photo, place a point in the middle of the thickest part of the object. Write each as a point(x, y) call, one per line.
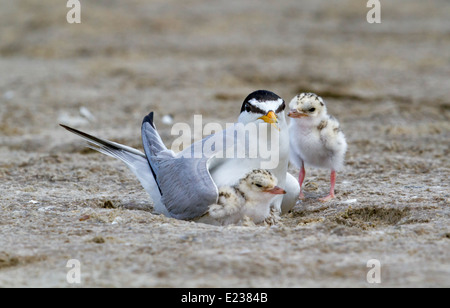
point(186, 186)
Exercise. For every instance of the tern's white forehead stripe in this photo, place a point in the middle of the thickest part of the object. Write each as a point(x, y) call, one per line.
point(267, 105)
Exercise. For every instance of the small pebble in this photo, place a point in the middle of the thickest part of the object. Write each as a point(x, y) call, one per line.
point(117, 220)
point(8, 95)
point(167, 119)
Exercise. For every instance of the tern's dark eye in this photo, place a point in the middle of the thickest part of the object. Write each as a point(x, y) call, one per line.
point(259, 185)
point(312, 109)
point(281, 108)
point(248, 107)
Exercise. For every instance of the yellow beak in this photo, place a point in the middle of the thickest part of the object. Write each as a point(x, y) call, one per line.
point(270, 118)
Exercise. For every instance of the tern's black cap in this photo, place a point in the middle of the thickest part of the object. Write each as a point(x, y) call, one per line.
point(260, 96)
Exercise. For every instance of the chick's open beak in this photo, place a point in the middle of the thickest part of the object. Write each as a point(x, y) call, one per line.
point(276, 191)
point(270, 118)
point(293, 113)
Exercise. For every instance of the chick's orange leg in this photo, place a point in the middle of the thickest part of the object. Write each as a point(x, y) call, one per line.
point(333, 182)
point(301, 177)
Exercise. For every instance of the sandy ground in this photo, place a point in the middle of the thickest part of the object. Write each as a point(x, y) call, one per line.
point(387, 83)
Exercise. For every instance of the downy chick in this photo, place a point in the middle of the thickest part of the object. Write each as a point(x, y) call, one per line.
point(315, 138)
point(249, 199)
